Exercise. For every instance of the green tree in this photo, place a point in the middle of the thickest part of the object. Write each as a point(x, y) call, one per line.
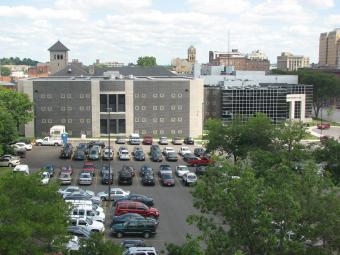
point(18, 105)
point(5, 71)
point(191, 247)
point(8, 131)
point(96, 245)
point(31, 215)
point(146, 61)
point(291, 133)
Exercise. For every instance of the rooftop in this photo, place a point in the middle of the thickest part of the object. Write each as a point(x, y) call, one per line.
point(135, 71)
point(58, 46)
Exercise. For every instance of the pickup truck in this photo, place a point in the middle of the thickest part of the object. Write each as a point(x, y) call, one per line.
point(203, 161)
point(49, 141)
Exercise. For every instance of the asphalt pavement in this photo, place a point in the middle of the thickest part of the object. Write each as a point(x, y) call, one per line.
point(174, 203)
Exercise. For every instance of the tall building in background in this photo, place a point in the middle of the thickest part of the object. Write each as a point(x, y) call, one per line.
point(192, 54)
point(185, 66)
point(329, 49)
point(289, 62)
point(58, 57)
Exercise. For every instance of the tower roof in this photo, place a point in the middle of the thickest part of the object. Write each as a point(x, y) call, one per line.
point(58, 46)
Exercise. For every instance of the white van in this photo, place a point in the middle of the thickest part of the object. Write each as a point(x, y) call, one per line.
point(140, 251)
point(84, 211)
point(77, 203)
point(134, 139)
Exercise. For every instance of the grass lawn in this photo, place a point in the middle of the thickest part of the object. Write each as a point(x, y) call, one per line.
point(309, 136)
point(5, 170)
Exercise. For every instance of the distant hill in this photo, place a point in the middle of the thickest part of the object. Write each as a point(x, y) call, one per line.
point(18, 61)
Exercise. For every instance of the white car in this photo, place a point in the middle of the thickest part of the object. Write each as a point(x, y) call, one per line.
point(68, 190)
point(87, 211)
point(181, 170)
point(163, 140)
point(90, 225)
point(123, 154)
point(22, 169)
point(45, 178)
point(166, 150)
point(189, 178)
point(116, 193)
point(28, 147)
point(9, 160)
point(184, 150)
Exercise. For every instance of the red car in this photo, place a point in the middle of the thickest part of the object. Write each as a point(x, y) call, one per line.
point(147, 140)
point(203, 161)
point(66, 170)
point(135, 207)
point(89, 167)
point(324, 126)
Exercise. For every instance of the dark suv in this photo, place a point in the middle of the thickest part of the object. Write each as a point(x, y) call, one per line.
point(125, 177)
point(66, 152)
point(189, 140)
point(145, 228)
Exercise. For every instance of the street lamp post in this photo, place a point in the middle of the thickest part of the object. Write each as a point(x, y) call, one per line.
point(110, 151)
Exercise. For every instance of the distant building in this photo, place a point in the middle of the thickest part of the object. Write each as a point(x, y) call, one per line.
point(256, 61)
point(289, 62)
point(58, 57)
point(40, 70)
point(329, 49)
point(185, 66)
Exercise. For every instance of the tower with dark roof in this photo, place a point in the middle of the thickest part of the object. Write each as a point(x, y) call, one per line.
point(192, 54)
point(58, 57)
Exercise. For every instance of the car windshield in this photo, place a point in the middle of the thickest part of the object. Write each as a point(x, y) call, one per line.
point(191, 177)
point(167, 176)
point(89, 221)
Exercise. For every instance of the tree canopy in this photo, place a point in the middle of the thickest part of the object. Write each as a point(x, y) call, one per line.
point(146, 61)
point(18, 61)
point(5, 71)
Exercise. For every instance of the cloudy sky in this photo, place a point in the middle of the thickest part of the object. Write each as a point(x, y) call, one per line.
point(122, 30)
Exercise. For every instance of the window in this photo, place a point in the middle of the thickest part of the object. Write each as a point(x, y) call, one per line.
point(42, 96)
point(161, 132)
point(136, 119)
point(49, 121)
point(179, 107)
point(143, 119)
point(173, 95)
point(62, 108)
point(143, 108)
point(62, 95)
point(43, 108)
point(173, 132)
point(81, 120)
point(69, 120)
point(179, 119)
point(179, 132)
point(81, 95)
point(112, 103)
point(43, 121)
point(69, 132)
point(173, 119)
point(121, 126)
point(103, 103)
point(155, 120)
point(88, 95)
point(121, 103)
point(155, 95)
point(154, 132)
point(136, 95)
point(63, 121)
point(69, 108)
point(154, 107)
point(69, 95)
point(81, 108)
point(179, 95)
point(161, 120)
point(113, 126)
point(137, 108)
point(103, 126)
point(173, 107)
point(161, 107)
point(143, 132)
point(161, 95)
point(49, 108)
point(88, 108)
point(88, 120)
point(49, 96)
point(88, 132)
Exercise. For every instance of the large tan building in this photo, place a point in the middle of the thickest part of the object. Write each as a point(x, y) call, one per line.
point(185, 66)
point(329, 49)
point(289, 62)
point(241, 62)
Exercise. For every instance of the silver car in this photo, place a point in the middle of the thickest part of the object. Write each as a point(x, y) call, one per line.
point(65, 179)
point(85, 179)
point(9, 160)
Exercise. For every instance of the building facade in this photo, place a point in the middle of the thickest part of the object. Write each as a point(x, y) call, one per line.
point(242, 62)
point(156, 106)
point(329, 49)
point(289, 62)
point(185, 66)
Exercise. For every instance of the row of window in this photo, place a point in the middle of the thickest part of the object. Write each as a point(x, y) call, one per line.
point(65, 121)
point(161, 107)
point(160, 95)
point(161, 120)
point(159, 132)
point(114, 102)
point(63, 95)
point(58, 56)
point(64, 108)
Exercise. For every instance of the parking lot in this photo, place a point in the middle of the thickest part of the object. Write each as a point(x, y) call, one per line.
point(174, 203)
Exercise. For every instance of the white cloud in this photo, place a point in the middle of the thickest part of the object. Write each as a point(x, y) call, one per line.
point(219, 6)
point(320, 3)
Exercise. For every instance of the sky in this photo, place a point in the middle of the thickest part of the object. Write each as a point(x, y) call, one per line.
point(123, 30)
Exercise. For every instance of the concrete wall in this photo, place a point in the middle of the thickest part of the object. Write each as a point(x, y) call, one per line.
point(95, 89)
point(196, 108)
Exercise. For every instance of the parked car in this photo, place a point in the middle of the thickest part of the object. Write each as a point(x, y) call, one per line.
point(65, 179)
point(66, 153)
point(167, 179)
point(183, 150)
point(21, 169)
point(154, 148)
point(176, 141)
point(120, 140)
point(66, 170)
point(83, 146)
point(130, 216)
point(172, 156)
point(101, 144)
point(164, 168)
point(26, 146)
point(156, 156)
point(147, 140)
point(93, 154)
point(48, 141)
point(145, 169)
point(200, 170)
point(89, 167)
point(189, 140)
point(86, 211)
point(146, 228)
point(45, 178)
point(163, 140)
point(324, 126)
point(189, 178)
point(19, 150)
point(90, 225)
point(190, 156)
point(79, 155)
point(9, 160)
point(181, 170)
point(199, 152)
point(140, 251)
point(135, 207)
point(107, 153)
point(203, 161)
point(69, 190)
point(79, 231)
point(105, 170)
point(139, 156)
point(49, 168)
point(129, 169)
point(166, 150)
point(107, 178)
point(148, 179)
point(138, 198)
point(83, 195)
point(134, 139)
point(123, 153)
point(125, 177)
point(114, 194)
point(85, 178)
point(132, 243)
